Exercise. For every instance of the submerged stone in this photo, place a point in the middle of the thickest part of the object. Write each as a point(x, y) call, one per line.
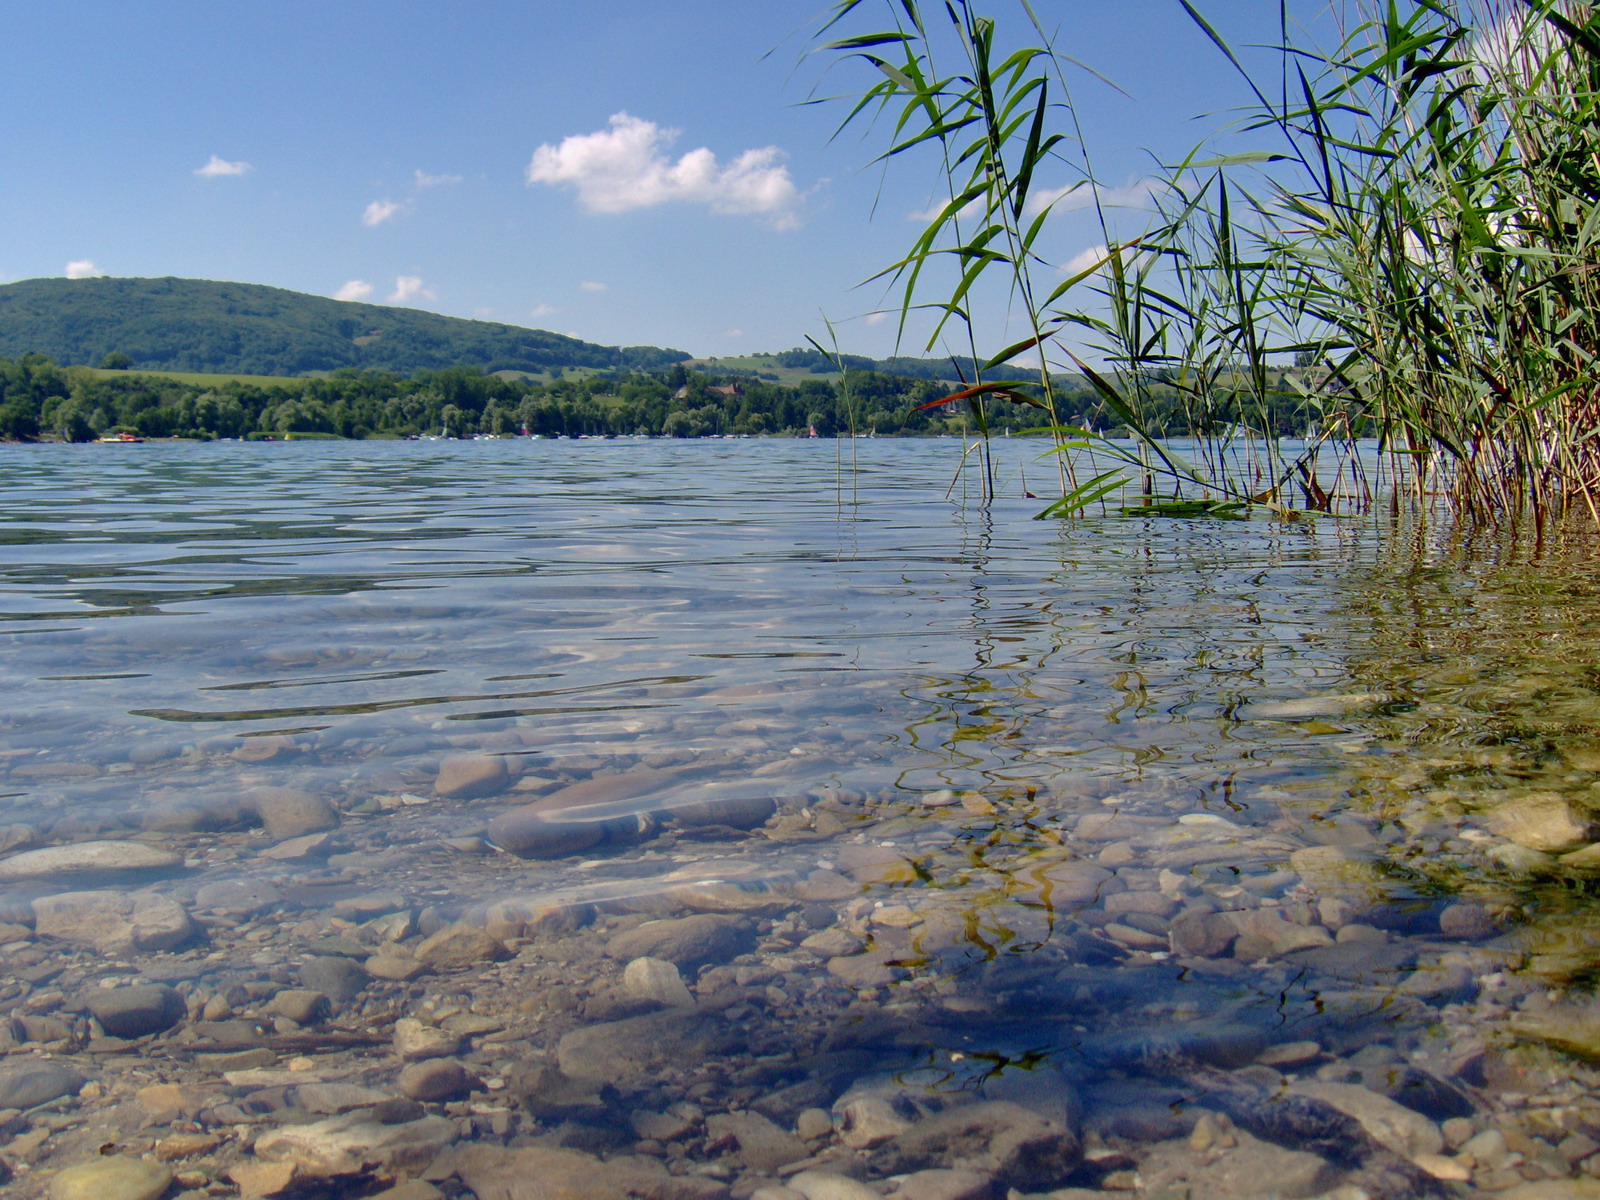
point(87, 857)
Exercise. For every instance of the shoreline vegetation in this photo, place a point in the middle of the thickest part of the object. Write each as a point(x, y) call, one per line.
point(1411, 216)
point(41, 400)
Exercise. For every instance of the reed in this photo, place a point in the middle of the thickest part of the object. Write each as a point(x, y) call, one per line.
point(1414, 226)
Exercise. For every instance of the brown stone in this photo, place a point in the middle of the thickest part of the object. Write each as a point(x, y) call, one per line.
point(468, 776)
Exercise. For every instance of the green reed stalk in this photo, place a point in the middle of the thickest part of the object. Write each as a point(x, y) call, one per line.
point(1420, 235)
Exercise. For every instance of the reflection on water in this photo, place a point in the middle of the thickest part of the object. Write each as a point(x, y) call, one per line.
point(1118, 819)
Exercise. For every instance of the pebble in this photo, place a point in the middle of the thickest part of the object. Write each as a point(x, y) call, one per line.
point(658, 980)
point(85, 857)
point(825, 1185)
point(112, 1178)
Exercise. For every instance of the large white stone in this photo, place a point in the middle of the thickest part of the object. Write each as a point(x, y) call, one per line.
point(85, 857)
point(113, 922)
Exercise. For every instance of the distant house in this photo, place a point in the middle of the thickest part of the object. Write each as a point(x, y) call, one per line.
point(733, 389)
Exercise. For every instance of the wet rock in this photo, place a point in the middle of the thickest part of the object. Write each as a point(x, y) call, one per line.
point(526, 916)
point(826, 1185)
point(26, 1083)
point(873, 969)
point(113, 922)
point(468, 776)
point(658, 980)
point(414, 1041)
point(1340, 871)
point(301, 1005)
point(351, 1144)
point(1304, 708)
point(312, 845)
point(645, 1046)
point(238, 897)
point(551, 1096)
point(686, 941)
point(1544, 821)
point(1267, 933)
point(111, 1178)
point(1467, 921)
point(194, 815)
point(812, 1124)
point(332, 1098)
point(736, 812)
point(130, 1012)
point(337, 978)
point(499, 1173)
point(291, 813)
point(1393, 1125)
point(867, 1121)
point(945, 1185)
point(459, 946)
point(1251, 1170)
point(1552, 1189)
point(763, 1146)
point(85, 858)
point(394, 964)
point(256, 1180)
point(1016, 1147)
point(435, 1079)
point(1201, 935)
point(529, 833)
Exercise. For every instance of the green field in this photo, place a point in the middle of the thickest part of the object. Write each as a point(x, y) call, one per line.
point(764, 365)
point(200, 379)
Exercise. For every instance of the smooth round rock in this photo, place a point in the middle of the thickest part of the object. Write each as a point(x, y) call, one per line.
point(114, 922)
point(435, 1079)
point(458, 946)
point(25, 1084)
point(337, 978)
point(468, 776)
point(85, 857)
point(528, 833)
point(130, 1012)
point(112, 1178)
point(289, 812)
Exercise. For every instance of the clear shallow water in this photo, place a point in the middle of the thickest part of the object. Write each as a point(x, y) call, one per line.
point(384, 604)
point(1020, 769)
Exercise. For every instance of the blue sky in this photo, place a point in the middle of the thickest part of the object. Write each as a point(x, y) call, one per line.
point(626, 172)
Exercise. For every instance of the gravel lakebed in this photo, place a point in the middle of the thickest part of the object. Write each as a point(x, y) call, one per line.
point(687, 977)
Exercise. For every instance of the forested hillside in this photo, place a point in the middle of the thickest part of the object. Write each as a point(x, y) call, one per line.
point(250, 329)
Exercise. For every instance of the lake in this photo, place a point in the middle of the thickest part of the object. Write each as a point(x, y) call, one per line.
point(764, 814)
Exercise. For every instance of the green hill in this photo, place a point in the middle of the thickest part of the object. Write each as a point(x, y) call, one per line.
point(249, 329)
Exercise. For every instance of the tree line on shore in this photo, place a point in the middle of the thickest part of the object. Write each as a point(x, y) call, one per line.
point(41, 400)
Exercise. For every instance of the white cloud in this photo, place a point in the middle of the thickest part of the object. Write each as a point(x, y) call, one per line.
point(424, 180)
point(625, 167)
point(83, 268)
point(380, 211)
point(1136, 193)
point(355, 289)
point(218, 167)
point(1098, 257)
point(543, 310)
point(483, 310)
point(592, 285)
point(733, 333)
point(877, 318)
point(410, 287)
